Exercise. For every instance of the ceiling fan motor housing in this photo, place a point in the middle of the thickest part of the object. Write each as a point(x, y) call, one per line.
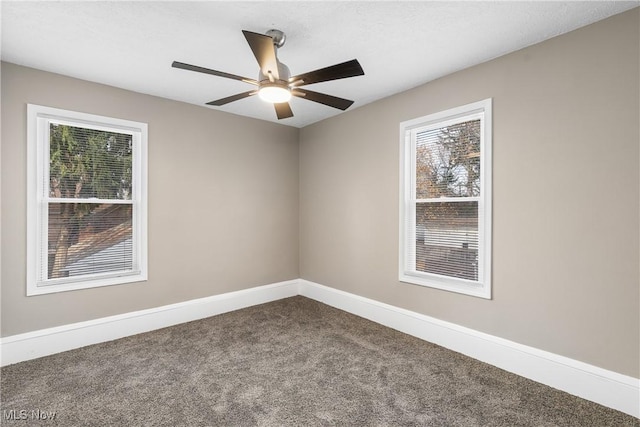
point(283, 73)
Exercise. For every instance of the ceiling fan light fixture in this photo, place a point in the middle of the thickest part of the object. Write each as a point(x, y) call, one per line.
point(274, 94)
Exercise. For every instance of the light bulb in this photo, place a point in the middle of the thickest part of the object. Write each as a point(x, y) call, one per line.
point(274, 94)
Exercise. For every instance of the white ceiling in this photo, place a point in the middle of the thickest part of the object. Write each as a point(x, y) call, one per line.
point(400, 45)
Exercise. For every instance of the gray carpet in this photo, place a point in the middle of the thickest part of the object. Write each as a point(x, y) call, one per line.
point(290, 362)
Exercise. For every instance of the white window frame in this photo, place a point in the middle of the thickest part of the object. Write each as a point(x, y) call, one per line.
point(38, 119)
point(407, 259)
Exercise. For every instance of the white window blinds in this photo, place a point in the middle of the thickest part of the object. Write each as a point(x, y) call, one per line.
point(89, 198)
point(447, 186)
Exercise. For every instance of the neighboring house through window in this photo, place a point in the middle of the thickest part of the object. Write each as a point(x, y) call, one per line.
point(445, 206)
point(87, 207)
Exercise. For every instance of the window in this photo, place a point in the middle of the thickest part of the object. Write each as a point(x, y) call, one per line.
point(86, 200)
point(445, 200)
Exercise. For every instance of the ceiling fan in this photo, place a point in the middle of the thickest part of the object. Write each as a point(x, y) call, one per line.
point(275, 83)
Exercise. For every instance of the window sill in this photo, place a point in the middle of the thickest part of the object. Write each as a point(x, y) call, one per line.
point(460, 286)
point(34, 289)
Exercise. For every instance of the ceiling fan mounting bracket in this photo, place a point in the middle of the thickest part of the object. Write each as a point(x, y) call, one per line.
point(278, 37)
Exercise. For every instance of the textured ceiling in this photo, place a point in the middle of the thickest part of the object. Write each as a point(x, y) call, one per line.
point(400, 44)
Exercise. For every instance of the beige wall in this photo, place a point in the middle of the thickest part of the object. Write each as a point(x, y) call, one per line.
point(223, 201)
point(565, 207)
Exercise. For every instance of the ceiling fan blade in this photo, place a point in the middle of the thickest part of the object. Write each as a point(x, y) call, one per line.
point(228, 99)
point(264, 51)
point(195, 68)
point(323, 98)
point(283, 110)
point(339, 71)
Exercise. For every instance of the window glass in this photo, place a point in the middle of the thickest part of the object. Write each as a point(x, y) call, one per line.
point(448, 161)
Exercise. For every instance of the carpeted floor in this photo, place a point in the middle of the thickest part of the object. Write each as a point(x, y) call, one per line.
point(291, 362)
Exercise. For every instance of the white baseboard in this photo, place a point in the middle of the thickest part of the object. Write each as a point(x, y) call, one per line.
point(31, 345)
point(589, 382)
